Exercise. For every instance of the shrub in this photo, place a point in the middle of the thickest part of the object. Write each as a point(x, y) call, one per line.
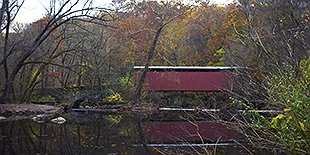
point(289, 130)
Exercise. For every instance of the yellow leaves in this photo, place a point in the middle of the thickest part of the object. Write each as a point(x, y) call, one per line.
point(114, 119)
point(280, 116)
point(287, 109)
point(302, 126)
point(116, 98)
point(193, 15)
point(280, 121)
point(86, 65)
point(36, 73)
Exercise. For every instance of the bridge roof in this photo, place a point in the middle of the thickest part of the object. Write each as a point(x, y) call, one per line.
point(187, 68)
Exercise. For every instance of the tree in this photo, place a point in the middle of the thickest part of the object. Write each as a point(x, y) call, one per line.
point(66, 12)
point(274, 45)
point(202, 35)
point(145, 24)
point(94, 50)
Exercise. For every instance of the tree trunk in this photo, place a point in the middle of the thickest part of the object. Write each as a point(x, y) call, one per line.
point(151, 54)
point(7, 95)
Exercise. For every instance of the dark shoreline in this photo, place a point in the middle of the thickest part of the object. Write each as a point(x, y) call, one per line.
point(22, 111)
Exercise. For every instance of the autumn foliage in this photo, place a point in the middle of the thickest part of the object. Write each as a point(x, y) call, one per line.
point(96, 48)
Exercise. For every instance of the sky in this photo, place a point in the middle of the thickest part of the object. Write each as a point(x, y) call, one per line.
point(33, 10)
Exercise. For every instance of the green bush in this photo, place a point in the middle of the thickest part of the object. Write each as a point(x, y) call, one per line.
point(288, 91)
point(292, 128)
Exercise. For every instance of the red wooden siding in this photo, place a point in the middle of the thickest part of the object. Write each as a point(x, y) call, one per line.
point(188, 81)
point(54, 74)
point(202, 131)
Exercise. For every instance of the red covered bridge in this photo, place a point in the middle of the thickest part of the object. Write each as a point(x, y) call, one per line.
point(202, 79)
point(172, 78)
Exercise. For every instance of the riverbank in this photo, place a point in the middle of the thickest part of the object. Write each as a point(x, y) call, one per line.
point(20, 111)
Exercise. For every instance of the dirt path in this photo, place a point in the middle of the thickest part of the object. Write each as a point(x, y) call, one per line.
point(19, 111)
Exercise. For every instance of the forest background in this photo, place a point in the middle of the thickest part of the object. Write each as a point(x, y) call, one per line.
point(95, 48)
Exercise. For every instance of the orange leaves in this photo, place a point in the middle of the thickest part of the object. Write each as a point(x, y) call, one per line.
point(191, 39)
point(138, 26)
point(210, 29)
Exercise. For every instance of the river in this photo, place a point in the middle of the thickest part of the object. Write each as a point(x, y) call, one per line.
point(95, 133)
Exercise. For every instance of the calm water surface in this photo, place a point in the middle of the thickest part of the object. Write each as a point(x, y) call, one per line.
point(97, 134)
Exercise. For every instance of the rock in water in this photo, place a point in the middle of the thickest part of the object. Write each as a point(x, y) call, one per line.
point(58, 120)
point(39, 118)
point(2, 118)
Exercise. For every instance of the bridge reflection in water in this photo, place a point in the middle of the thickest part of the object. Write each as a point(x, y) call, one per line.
point(186, 131)
point(119, 134)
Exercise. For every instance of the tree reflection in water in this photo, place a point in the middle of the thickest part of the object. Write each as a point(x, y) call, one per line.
point(94, 134)
point(91, 134)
